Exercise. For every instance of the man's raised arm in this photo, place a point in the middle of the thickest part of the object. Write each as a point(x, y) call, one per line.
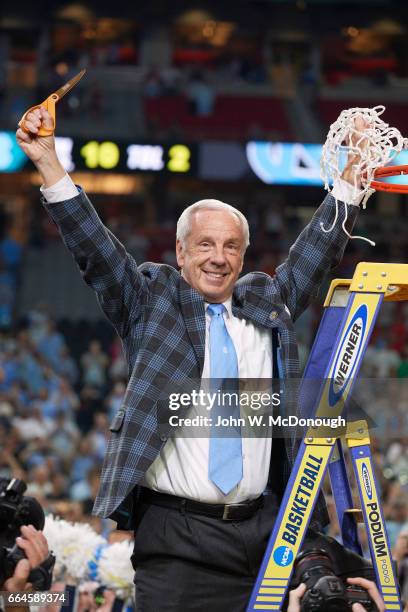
point(316, 251)
point(103, 261)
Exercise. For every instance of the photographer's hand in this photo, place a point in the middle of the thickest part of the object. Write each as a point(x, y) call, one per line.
point(34, 544)
point(18, 581)
point(295, 597)
point(372, 590)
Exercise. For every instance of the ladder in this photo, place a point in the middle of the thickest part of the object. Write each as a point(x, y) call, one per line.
point(350, 311)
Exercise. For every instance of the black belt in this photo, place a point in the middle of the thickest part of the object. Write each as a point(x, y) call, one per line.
point(225, 512)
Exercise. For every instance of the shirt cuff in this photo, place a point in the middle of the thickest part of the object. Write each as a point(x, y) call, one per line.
point(345, 192)
point(64, 189)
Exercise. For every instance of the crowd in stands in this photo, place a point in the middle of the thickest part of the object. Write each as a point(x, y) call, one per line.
point(10, 260)
point(197, 71)
point(54, 413)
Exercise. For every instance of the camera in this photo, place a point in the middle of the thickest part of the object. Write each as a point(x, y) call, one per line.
point(325, 591)
point(17, 510)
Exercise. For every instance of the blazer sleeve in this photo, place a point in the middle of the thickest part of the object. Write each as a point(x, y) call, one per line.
point(102, 259)
point(314, 254)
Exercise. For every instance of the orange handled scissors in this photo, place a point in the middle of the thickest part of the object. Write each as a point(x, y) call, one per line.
point(49, 104)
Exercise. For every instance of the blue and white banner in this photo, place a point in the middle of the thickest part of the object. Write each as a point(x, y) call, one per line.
point(284, 163)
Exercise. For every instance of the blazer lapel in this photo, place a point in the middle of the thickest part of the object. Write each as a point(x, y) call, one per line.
point(192, 307)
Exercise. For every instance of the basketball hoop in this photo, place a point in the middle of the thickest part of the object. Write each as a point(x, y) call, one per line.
point(386, 172)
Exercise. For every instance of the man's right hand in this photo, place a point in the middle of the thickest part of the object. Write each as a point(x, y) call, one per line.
point(41, 149)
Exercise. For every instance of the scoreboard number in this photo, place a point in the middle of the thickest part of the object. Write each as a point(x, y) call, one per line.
point(101, 154)
point(179, 158)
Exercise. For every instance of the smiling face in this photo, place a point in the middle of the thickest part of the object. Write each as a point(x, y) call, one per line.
point(212, 254)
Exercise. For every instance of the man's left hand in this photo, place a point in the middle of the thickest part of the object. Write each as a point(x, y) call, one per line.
point(351, 172)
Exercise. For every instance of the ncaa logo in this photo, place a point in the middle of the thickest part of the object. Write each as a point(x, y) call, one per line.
point(365, 474)
point(283, 556)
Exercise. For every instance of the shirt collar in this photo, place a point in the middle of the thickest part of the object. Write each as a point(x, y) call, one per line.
point(227, 304)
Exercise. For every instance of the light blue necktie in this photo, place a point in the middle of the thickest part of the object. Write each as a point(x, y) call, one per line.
point(225, 452)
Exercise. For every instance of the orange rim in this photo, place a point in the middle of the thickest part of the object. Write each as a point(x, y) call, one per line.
point(387, 171)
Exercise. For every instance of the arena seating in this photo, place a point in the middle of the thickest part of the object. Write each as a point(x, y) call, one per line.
point(233, 116)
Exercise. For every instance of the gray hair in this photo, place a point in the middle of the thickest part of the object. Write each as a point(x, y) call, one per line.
point(184, 221)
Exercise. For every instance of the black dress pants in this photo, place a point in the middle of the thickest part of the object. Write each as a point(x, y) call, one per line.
point(194, 563)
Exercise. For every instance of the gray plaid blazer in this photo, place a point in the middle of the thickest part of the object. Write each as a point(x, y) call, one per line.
point(161, 322)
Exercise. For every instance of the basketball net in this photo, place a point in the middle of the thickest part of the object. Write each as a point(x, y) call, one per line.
point(372, 148)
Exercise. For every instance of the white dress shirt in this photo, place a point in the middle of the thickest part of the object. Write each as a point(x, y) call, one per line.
point(181, 468)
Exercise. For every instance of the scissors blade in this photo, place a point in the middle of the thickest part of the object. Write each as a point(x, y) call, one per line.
point(69, 84)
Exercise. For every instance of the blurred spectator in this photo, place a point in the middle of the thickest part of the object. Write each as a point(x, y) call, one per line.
point(84, 460)
point(44, 402)
point(39, 482)
point(31, 424)
point(65, 436)
point(66, 366)
point(402, 370)
point(51, 344)
point(38, 324)
point(94, 365)
point(396, 456)
point(30, 369)
point(380, 361)
point(99, 435)
point(64, 399)
point(90, 402)
point(398, 518)
point(115, 399)
point(85, 490)
point(400, 555)
point(10, 259)
point(59, 483)
point(118, 368)
point(153, 84)
point(201, 95)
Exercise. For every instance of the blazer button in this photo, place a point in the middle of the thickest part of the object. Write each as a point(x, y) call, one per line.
point(163, 437)
point(274, 315)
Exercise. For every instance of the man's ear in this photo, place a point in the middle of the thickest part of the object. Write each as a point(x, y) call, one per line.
point(180, 254)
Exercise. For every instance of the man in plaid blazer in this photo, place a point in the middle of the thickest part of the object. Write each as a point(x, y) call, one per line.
point(160, 316)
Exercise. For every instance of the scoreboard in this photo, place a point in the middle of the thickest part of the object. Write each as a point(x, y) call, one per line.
point(105, 155)
point(109, 155)
point(273, 163)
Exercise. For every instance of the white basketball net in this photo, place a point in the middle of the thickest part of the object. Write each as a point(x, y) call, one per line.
point(371, 148)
